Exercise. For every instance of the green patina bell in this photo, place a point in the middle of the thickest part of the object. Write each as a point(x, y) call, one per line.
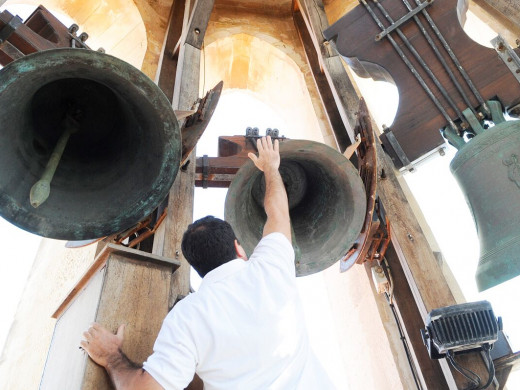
point(327, 204)
point(91, 145)
point(488, 171)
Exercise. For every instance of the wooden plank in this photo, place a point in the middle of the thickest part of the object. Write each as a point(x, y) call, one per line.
point(342, 89)
point(430, 371)
point(168, 61)
point(326, 96)
point(131, 288)
point(100, 261)
point(199, 22)
point(168, 238)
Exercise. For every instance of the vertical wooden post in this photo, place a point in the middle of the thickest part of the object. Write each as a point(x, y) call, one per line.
point(168, 238)
point(423, 275)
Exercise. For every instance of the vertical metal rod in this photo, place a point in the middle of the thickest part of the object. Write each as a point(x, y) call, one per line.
point(40, 191)
point(412, 68)
point(455, 59)
point(441, 58)
point(421, 61)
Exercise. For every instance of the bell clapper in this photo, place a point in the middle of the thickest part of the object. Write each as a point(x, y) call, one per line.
point(40, 191)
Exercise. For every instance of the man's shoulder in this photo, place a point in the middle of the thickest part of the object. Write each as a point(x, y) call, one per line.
point(275, 249)
point(185, 307)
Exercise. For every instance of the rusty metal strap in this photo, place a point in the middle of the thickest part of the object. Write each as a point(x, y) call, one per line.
point(508, 55)
point(205, 171)
point(9, 28)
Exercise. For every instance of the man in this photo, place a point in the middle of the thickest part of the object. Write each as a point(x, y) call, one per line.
point(244, 328)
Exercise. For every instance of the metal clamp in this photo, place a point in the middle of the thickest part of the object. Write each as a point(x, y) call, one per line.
point(508, 55)
point(401, 155)
point(9, 28)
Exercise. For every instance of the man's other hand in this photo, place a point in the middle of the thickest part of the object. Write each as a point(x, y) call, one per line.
point(268, 154)
point(102, 345)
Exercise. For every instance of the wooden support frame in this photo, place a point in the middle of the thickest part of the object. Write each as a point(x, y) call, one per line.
point(119, 280)
point(417, 260)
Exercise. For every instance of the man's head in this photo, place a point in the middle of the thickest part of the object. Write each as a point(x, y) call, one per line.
point(210, 242)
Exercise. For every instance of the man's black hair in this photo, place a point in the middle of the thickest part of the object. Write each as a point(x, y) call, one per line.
point(208, 243)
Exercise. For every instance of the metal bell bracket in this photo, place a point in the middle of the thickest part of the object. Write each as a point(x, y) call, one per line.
point(475, 124)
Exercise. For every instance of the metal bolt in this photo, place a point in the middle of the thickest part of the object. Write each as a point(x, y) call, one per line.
point(197, 31)
point(517, 71)
point(500, 46)
point(509, 59)
point(177, 254)
point(410, 237)
point(379, 270)
point(442, 151)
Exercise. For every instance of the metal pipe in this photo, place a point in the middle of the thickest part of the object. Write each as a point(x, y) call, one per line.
point(455, 59)
point(421, 61)
point(40, 191)
point(412, 68)
point(441, 59)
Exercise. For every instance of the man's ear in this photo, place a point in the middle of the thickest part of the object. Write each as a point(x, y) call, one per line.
point(241, 253)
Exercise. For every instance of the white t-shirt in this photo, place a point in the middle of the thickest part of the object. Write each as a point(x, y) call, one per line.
point(243, 329)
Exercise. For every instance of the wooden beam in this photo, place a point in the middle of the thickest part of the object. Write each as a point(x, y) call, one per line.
point(423, 274)
point(507, 8)
point(343, 91)
point(430, 371)
point(168, 61)
point(168, 238)
point(199, 22)
point(321, 82)
point(119, 287)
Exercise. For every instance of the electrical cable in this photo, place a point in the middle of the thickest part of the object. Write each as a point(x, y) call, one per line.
point(491, 366)
point(405, 343)
point(464, 371)
point(203, 69)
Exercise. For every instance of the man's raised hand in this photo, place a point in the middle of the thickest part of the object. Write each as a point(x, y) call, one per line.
point(268, 154)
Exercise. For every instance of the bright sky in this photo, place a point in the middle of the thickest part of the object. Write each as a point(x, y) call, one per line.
point(431, 185)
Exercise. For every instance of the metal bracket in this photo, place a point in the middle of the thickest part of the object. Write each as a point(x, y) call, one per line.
point(508, 55)
point(404, 19)
point(9, 28)
point(401, 155)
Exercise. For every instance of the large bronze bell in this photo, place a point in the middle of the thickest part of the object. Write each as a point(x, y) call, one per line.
point(107, 128)
point(488, 170)
point(327, 203)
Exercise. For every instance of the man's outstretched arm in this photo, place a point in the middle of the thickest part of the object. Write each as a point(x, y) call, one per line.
point(104, 348)
point(275, 201)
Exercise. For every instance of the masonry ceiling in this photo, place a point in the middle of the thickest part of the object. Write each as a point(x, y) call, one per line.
point(274, 7)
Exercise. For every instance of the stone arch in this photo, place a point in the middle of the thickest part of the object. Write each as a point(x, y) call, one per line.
point(256, 63)
point(115, 25)
point(247, 62)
